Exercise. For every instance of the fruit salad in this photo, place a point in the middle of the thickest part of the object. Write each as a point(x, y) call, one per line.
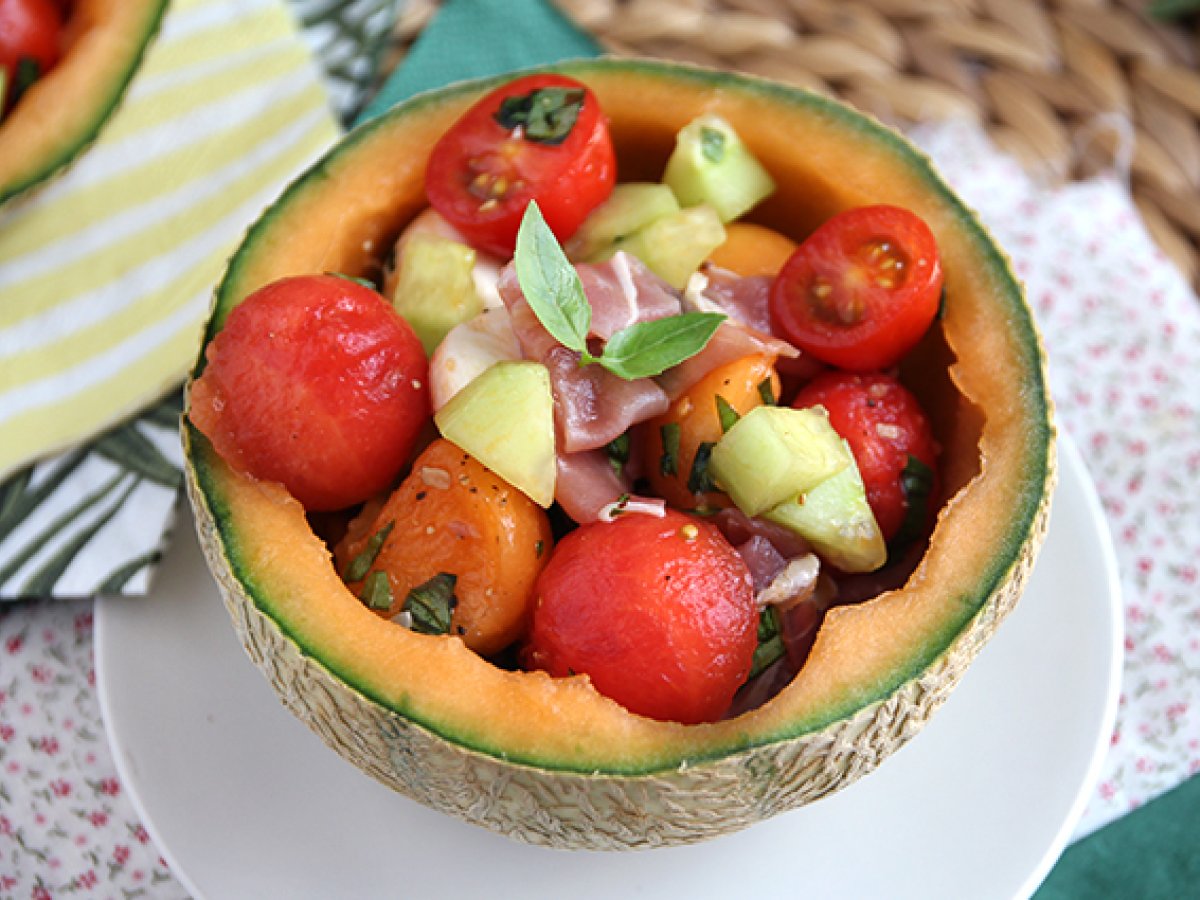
point(597, 428)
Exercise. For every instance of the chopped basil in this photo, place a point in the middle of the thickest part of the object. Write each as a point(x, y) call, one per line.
point(770, 641)
point(617, 451)
point(668, 463)
point(726, 413)
point(916, 480)
point(699, 481)
point(552, 289)
point(539, 548)
point(28, 71)
point(766, 390)
point(712, 144)
point(359, 566)
point(363, 281)
point(431, 604)
point(377, 591)
point(619, 505)
point(545, 115)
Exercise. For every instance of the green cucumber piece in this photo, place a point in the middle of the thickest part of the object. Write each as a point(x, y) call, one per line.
point(629, 208)
point(774, 453)
point(710, 164)
point(836, 519)
point(436, 287)
point(505, 419)
point(674, 246)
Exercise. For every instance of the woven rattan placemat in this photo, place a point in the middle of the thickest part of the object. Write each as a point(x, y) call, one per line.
point(1069, 87)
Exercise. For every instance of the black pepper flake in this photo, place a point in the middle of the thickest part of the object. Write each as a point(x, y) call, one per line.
point(420, 495)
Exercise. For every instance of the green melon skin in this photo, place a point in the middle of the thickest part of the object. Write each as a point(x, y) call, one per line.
point(550, 761)
point(64, 112)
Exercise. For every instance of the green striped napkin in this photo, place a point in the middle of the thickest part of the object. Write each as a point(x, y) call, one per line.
point(106, 274)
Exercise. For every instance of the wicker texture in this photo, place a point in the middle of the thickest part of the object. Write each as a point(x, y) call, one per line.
point(1068, 87)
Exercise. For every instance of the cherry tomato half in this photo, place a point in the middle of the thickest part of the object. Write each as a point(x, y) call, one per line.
point(884, 425)
point(318, 383)
point(543, 138)
point(29, 29)
point(659, 612)
point(861, 290)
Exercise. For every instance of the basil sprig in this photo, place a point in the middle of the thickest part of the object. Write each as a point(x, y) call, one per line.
point(555, 294)
point(545, 115)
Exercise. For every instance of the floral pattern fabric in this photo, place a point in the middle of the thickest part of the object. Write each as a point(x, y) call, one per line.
point(1122, 333)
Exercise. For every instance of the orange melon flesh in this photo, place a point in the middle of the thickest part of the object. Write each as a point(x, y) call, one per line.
point(64, 110)
point(873, 667)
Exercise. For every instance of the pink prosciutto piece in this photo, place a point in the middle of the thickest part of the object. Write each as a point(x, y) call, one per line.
point(592, 405)
point(739, 528)
point(623, 292)
point(762, 559)
point(745, 300)
point(589, 489)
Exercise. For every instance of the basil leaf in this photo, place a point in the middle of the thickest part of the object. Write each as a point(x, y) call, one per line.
point(550, 283)
point(377, 591)
point(545, 115)
point(916, 480)
point(359, 566)
point(28, 71)
point(617, 451)
point(668, 463)
point(431, 604)
point(645, 349)
point(699, 481)
point(770, 641)
point(727, 415)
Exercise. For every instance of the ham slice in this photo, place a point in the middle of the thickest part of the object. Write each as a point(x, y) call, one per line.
point(739, 528)
point(744, 300)
point(588, 489)
point(592, 405)
point(730, 341)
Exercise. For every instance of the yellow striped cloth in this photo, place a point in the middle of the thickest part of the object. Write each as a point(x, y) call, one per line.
point(106, 275)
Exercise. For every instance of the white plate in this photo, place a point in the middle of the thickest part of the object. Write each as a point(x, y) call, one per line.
point(245, 802)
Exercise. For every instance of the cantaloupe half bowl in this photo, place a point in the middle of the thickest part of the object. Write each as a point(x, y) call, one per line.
point(551, 761)
point(64, 111)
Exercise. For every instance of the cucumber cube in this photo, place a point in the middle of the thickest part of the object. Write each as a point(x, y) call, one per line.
point(836, 519)
point(436, 288)
point(674, 246)
point(505, 419)
point(629, 208)
point(710, 164)
point(774, 453)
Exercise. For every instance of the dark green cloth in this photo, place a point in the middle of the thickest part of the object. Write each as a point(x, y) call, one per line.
point(1153, 854)
point(1150, 854)
point(476, 38)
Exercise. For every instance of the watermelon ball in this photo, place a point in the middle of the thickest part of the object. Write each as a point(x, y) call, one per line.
point(318, 383)
point(658, 612)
